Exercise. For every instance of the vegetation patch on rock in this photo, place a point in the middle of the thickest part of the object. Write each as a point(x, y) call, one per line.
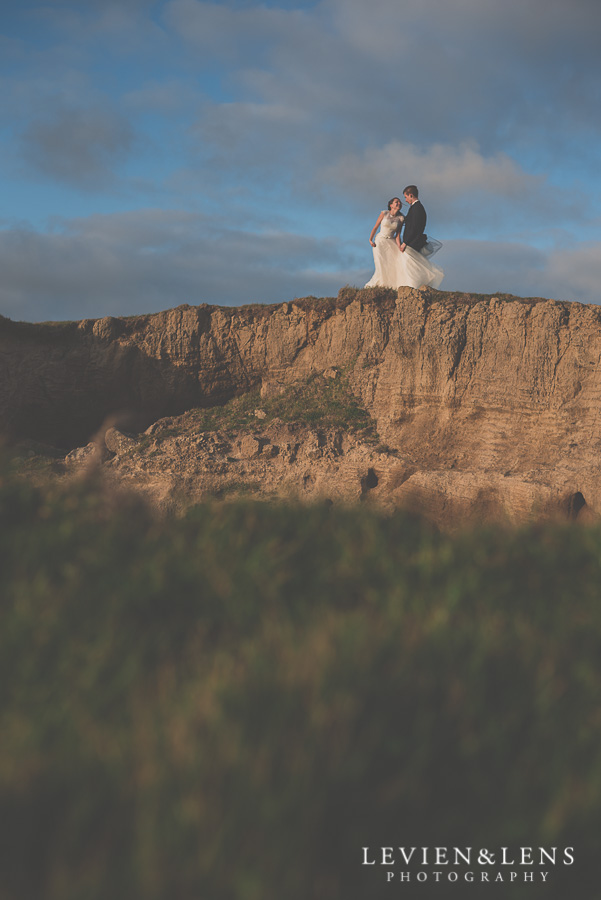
point(324, 401)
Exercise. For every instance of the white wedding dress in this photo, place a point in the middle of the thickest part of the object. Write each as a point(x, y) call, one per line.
point(395, 269)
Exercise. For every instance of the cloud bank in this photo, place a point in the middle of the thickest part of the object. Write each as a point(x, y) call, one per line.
point(187, 151)
point(155, 259)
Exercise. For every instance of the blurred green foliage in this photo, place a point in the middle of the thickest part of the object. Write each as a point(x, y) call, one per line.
point(230, 705)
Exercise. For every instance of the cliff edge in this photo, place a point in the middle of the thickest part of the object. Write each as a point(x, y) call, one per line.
point(454, 404)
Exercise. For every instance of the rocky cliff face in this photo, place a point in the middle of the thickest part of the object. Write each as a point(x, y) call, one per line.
point(482, 405)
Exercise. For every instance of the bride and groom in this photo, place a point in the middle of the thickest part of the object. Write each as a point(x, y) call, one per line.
point(404, 261)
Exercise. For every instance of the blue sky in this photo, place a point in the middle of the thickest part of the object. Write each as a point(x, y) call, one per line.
point(158, 153)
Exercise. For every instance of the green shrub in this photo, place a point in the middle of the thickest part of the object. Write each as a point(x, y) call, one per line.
point(315, 401)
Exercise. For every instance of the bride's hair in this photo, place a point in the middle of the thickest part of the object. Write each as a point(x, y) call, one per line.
point(394, 198)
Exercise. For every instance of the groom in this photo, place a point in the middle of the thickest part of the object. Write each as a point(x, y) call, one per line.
point(415, 221)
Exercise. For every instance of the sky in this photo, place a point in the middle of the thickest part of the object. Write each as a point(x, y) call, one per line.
point(160, 153)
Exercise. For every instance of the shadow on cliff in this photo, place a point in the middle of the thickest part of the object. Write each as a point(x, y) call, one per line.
point(66, 385)
point(64, 381)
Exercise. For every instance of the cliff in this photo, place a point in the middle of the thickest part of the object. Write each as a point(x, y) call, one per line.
point(485, 406)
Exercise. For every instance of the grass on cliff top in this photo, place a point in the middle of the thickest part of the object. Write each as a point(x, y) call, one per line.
point(232, 704)
point(318, 402)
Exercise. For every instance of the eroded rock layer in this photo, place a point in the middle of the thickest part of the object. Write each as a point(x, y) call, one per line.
point(490, 403)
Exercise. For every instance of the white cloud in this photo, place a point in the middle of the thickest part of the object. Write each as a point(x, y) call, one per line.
point(431, 70)
point(148, 260)
point(154, 259)
point(217, 29)
point(465, 189)
point(305, 118)
point(577, 272)
point(120, 28)
point(77, 146)
point(357, 96)
point(167, 97)
point(488, 267)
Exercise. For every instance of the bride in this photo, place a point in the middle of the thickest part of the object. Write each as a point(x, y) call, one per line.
point(395, 268)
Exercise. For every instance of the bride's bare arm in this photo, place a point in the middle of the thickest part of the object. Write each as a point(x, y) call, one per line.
point(375, 228)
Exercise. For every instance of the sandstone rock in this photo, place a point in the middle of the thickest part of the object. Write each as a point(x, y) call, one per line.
point(118, 442)
point(107, 328)
point(159, 426)
point(490, 403)
point(249, 446)
point(271, 387)
point(91, 455)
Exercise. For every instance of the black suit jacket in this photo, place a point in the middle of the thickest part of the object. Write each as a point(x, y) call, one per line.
point(415, 225)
